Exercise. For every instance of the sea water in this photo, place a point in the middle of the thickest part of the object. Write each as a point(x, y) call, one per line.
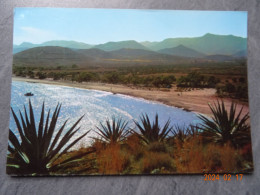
point(96, 106)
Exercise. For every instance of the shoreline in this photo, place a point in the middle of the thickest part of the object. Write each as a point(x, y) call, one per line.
point(191, 101)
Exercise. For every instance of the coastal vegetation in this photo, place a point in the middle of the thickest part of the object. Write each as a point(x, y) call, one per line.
point(219, 144)
point(228, 78)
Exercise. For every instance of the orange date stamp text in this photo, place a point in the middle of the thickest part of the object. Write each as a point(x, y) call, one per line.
point(225, 177)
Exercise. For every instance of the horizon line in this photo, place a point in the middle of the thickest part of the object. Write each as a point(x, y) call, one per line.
point(132, 39)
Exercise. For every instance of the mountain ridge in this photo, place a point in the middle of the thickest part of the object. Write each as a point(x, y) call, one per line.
point(129, 44)
point(59, 43)
point(208, 44)
point(183, 51)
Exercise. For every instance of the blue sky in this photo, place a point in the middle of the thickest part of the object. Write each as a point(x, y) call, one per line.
point(95, 26)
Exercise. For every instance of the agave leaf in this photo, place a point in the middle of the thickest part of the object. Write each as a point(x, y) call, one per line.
point(54, 142)
point(18, 126)
point(149, 132)
point(68, 135)
point(14, 141)
point(52, 126)
point(114, 131)
point(40, 128)
point(32, 122)
point(36, 150)
point(73, 143)
point(226, 126)
point(49, 131)
point(76, 158)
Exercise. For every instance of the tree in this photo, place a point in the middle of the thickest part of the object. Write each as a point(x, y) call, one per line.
point(74, 66)
point(41, 75)
point(230, 88)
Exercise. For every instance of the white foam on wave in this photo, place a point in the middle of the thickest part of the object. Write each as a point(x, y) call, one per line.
point(123, 112)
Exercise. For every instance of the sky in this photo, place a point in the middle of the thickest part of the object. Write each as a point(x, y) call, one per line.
point(96, 26)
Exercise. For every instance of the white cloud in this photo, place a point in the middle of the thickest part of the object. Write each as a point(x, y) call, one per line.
point(35, 35)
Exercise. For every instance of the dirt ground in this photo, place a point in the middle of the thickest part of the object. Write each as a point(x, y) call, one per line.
point(196, 100)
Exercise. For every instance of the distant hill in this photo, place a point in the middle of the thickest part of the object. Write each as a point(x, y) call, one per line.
point(132, 53)
point(170, 51)
point(17, 49)
point(27, 45)
point(55, 56)
point(97, 53)
point(149, 44)
point(69, 44)
point(183, 51)
point(110, 46)
point(50, 56)
point(142, 55)
point(209, 44)
point(23, 46)
point(240, 54)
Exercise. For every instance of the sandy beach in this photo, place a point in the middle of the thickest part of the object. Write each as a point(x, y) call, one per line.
point(195, 100)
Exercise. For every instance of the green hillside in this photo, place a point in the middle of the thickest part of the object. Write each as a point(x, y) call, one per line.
point(149, 44)
point(97, 53)
point(59, 43)
point(55, 56)
point(68, 44)
point(208, 44)
point(182, 51)
point(49, 56)
point(110, 46)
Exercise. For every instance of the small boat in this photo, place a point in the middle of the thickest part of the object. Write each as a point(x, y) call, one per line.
point(28, 94)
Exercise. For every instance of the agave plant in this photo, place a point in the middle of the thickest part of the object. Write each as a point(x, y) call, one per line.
point(180, 133)
point(114, 131)
point(184, 132)
point(149, 132)
point(226, 126)
point(36, 149)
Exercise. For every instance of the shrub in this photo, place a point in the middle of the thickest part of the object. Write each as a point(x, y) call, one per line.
point(149, 132)
point(114, 131)
point(38, 148)
point(41, 75)
point(112, 160)
point(155, 162)
point(226, 126)
point(135, 147)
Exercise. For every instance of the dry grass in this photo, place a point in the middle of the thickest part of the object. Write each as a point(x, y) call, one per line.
point(135, 148)
point(177, 156)
point(85, 165)
point(157, 162)
point(192, 156)
point(112, 160)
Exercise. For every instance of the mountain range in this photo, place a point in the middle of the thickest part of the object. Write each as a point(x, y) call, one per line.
point(208, 44)
point(207, 47)
point(69, 44)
